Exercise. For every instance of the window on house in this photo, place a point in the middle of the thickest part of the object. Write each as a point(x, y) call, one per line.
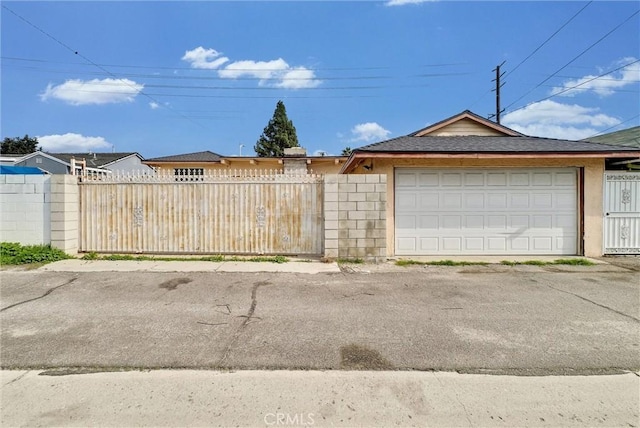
point(38, 160)
point(188, 174)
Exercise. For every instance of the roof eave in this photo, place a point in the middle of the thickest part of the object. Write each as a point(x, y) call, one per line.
point(358, 157)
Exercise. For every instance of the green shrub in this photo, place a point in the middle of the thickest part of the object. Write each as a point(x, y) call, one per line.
point(12, 253)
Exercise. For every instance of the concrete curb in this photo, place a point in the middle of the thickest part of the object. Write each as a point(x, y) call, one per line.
point(76, 265)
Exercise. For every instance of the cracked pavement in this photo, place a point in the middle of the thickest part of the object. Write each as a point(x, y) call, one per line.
point(529, 320)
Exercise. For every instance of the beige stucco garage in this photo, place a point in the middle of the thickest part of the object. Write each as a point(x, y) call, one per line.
point(468, 186)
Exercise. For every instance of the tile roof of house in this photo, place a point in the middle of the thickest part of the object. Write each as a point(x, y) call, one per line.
point(206, 156)
point(627, 137)
point(487, 144)
point(94, 160)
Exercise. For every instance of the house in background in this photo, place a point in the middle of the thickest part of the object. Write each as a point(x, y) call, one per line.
point(626, 137)
point(96, 163)
point(469, 186)
point(189, 166)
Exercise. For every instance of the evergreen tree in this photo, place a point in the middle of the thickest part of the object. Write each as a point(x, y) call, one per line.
point(347, 151)
point(19, 145)
point(278, 135)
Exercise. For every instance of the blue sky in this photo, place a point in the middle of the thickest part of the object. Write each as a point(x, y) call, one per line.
point(163, 78)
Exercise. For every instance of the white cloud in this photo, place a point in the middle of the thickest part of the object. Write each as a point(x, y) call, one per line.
point(556, 120)
point(276, 73)
point(72, 143)
point(154, 105)
point(605, 85)
point(258, 69)
point(405, 2)
point(369, 131)
point(106, 91)
point(204, 58)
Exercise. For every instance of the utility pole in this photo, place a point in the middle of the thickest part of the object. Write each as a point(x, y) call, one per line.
point(497, 91)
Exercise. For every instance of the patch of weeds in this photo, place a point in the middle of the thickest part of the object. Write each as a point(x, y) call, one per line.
point(120, 257)
point(13, 253)
point(570, 262)
point(354, 261)
point(438, 263)
point(404, 262)
point(535, 263)
point(271, 259)
point(218, 258)
point(91, 256)
point(574, 262)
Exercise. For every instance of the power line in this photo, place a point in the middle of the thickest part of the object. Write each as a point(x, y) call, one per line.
point(614, 126)
point(578, 85)
point(75, 52)
point(548, 39)
point(575, 58)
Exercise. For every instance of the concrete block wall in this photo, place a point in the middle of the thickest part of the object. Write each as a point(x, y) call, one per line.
point(25, 209)
point(65, 206)
point(355, 216)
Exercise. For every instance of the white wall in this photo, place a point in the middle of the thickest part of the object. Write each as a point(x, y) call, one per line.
point(25, 209)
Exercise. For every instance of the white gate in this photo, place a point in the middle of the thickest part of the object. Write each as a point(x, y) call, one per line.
point(621, 212)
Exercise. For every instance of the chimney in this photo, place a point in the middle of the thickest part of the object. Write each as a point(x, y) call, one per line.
point(294, 162)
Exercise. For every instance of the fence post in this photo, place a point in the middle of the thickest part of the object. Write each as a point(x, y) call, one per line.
point(65, 204)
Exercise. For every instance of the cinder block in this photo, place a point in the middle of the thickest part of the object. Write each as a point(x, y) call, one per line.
point(383, 196)
point(343, 215)
point(356, 252)
point(331, 197)
point(331, 225)
point(367, 206)
point(383, 178)
point(330, 187)
point(366, 243)
point(364, 224)
point(357, 197)
point(343, 233)
point(382, 188)
point(347, 206)
point(331, 234)
point(381, 224)
point(357, 215)
point(357, 233)
point(347, 187)
point(381, 243)
point(35, 179)
point(373, 197)
point(331, 244)
point(372, 215)
point(366, 187)
point(342, 178)
point(383, 215)
point(14, 179)
point(372, 178)
point(347, 243)
point(343, 197)
point(331, 253)
point(331, 206)
point(330, 179)
point(8, 225)
point(3, 178)
point(347, 224)
point(330, 215)
point(357, 178)
point(57, 206)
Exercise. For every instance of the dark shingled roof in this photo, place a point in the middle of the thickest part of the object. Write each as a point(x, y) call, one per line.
point(485, 144)
point(94, 160)
point(205, 156)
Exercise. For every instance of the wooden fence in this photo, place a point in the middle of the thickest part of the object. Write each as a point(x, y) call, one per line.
point(236, 212)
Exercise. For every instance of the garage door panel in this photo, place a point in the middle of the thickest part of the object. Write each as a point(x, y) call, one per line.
point(485, 211)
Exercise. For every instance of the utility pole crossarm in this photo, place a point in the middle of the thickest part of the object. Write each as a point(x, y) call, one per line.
point(498, 86)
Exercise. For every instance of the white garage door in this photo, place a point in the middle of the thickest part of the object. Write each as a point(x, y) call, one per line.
point(486, 211)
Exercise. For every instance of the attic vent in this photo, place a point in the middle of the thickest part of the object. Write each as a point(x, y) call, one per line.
point(38, 160)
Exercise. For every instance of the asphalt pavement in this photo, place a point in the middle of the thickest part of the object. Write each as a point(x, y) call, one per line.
point(471, 319)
